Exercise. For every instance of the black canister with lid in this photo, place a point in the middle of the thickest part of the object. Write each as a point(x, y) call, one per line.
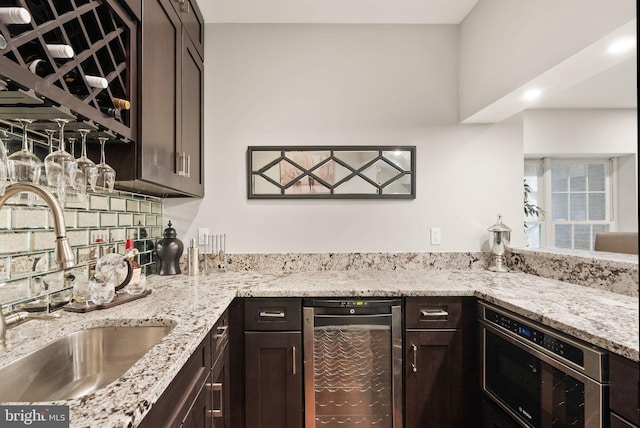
point(169, 250)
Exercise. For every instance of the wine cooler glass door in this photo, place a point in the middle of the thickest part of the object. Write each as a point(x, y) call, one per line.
point(349, 371)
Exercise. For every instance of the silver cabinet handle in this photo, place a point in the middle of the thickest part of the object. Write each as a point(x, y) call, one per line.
point(188, 168)
point(216, 413)
point(272, 314)
point(181, 164)
point(184, 6)
point(293, 360)
point(414, 365)
point(426, 313)
point(222, 330)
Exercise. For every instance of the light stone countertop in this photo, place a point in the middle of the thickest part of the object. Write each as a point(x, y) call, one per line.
point(194, 304)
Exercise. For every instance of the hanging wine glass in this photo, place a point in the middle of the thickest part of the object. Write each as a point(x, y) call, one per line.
point(24, 166)
point(60, 165)
point(43, 169)
point(79, 182)
point(106, 174)
point(86, 165)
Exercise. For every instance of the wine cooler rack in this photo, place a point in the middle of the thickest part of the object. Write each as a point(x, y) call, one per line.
point(102, 34)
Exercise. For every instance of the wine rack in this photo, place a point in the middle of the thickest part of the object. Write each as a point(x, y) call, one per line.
point(103, 35)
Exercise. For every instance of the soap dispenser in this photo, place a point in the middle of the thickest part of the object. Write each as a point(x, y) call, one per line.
point(169, 250)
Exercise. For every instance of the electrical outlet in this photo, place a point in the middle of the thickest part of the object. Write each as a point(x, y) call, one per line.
point(202, 231)
point(435, 236)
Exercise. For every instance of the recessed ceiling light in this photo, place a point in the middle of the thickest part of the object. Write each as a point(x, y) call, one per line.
point(531, 94)
point(622, 45)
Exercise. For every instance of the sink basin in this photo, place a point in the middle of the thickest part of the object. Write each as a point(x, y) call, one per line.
point(77, 364)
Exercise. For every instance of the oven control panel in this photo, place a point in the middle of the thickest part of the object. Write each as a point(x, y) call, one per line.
point(550, 342)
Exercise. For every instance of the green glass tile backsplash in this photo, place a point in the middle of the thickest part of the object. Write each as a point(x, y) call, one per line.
point(27, 267)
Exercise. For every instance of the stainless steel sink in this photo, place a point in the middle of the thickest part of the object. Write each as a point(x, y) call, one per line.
point(77, 364)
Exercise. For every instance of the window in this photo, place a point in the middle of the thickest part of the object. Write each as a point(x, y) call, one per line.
point(576, 198)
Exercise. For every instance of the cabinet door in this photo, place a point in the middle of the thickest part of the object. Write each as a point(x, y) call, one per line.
point(433, 379)
point(192, 118)
point(160, 82)
point(273, 379)
point(624, 389)
point(193, 22)
point(199, 414)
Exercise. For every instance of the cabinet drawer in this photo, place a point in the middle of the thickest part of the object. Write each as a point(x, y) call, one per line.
point(624, 378)
point(219, 337)
point(269, 314)
point(433, 312)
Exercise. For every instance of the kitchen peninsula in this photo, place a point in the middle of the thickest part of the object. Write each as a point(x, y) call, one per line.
point(194, 304)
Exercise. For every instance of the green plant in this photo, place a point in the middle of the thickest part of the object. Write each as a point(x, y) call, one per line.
point(530, 209)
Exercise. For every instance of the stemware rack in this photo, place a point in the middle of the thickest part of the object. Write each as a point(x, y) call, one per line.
point(103, 36)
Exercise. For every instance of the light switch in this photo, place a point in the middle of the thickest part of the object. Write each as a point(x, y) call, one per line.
point(435, 236)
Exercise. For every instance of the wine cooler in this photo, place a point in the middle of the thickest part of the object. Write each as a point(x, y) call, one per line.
point(353, 363)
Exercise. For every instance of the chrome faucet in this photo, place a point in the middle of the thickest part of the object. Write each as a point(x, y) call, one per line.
point(63, 253)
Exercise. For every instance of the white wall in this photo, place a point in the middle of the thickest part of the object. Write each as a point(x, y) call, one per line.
point(587, 133)
point(506, 43)
point(627, 209)
point(349, 85)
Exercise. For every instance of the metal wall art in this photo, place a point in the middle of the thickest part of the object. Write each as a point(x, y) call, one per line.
point(331, 172)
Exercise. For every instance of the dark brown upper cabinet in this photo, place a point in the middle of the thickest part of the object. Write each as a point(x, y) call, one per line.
point(169, 157)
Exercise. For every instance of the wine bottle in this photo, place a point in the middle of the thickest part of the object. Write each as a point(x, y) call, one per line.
point(14, 15)
point(130, 253)
point(40, 67)
point(31, 51)
point(104, 100)
point(76, 85)
point(113, 112)
point(60, 51)
point(121, 103)
point(96, 81)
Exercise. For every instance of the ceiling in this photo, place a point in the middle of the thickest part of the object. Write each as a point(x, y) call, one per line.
point(337, 11)
point(613, 87)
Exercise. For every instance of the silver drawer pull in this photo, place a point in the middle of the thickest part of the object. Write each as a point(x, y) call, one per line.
point(426, 313)
point(222, 331)
point(272, 314)
point(216, 413)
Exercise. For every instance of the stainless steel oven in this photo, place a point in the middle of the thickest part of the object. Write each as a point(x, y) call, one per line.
point(541, 377)
point(353, 362)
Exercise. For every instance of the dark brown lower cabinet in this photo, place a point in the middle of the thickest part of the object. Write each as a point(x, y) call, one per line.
point(624, 392)
point(273, 379)
point(440, 359)
point(187, 400)
point(433, 361)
